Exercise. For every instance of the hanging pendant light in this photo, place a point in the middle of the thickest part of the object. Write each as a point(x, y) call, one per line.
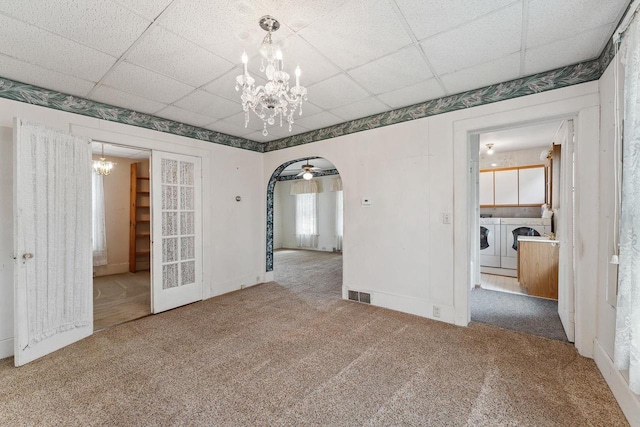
point(102, 167)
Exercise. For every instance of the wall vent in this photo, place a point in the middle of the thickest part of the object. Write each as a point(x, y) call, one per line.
point(363, 297)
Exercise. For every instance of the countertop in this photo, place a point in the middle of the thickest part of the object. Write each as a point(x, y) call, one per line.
point(538, 239)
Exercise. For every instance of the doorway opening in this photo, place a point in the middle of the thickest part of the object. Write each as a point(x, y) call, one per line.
point(304, 249)
point(522, 200)
point(121, 214)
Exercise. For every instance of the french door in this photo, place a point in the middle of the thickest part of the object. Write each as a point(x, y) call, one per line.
point(177, 230)
point(53, 303)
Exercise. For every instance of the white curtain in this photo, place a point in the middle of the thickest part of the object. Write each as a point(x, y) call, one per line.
point(627, 340)
point(307, 220)
point(339, 220)
point(98, 219)
point(304, 186)
point(336, 184)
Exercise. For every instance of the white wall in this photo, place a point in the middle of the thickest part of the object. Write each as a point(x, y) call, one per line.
point(285, 215)
point(399, 249)
point(233, 231)
point(607, 274)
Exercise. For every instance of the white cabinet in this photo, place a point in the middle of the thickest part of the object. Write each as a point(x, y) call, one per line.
point(506, 187)
point(531, 186)
point(520, 186)
point(485, 187)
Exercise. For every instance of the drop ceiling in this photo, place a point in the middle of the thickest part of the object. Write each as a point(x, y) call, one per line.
point(178, 59)
point(539, 135)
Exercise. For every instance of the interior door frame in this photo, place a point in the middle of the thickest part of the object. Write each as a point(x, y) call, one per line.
point(584, 109)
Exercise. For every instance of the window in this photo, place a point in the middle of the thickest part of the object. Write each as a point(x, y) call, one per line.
point(307, 220)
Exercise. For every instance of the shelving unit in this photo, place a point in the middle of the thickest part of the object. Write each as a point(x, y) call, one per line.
point(140, 221)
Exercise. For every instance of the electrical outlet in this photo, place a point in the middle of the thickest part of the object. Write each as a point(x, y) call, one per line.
point(436, 311)
point(242, 286)
point(446, 218)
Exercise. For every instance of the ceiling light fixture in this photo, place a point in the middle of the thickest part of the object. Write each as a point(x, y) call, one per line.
point(274, 100)
point(102, 167)
point(490, 149)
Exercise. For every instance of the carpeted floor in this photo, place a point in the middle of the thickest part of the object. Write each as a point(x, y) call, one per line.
point(537, 316)
point(282, 354)
point(118, 298)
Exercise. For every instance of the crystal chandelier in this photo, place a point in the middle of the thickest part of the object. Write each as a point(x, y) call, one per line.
point(275, 100)
point(102, 167)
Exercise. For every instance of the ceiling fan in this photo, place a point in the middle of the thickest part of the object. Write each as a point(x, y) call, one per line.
point(308, 170)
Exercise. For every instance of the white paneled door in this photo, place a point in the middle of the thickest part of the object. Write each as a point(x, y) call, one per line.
point(177, 230)
point(52, 212)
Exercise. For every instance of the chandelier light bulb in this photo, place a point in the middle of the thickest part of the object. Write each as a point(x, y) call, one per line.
point(298, 72)
point(307, 175)
point(490, 149)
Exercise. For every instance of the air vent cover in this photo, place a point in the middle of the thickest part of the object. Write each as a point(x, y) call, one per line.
point(353, 295)
point(360, 296)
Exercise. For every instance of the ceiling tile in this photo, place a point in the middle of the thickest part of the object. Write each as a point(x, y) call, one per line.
point(582, 47)
point(28, 43)
point(429, 17)
point(229, 128)
point(297, 14)
point(183, 116)
point(320, 120)
point(111, 96)
point(34, 75)
point(394, 71)
point(335, 92)
point(358, 32)
point(147, 84)
point(106, 26)
point(255, 123)
point(490, 37)
point(309, 109)
point(359, 109)
point(500, 70)
point(225, 85)
point(413, 94)
point(225, 27)
point(276, 132)
point(296, 51)
point(150, 9)
point(159, 44)
point(209, 104)
point(551, 20)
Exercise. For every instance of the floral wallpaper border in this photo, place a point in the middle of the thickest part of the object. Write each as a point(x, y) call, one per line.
point(23, 92)
point(555, 79)
point(318, 174)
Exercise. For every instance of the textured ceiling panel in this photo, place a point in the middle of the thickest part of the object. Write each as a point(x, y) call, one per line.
point(150, 9)
point(255, 123)
point(297, 14)
point(491, 37)
point(225, 86)
point(358, 32)
point(336, 92)
point(31, 44)
point(183, 116)
point(582, 47)
point(359, 109)
point(276, 132)
point(429, 17)
point(319, 120)
point(395, 71)
point(497, 71)
point(230, 128)
point(551, 20)
point(28, 73)
point(101, 24)
point(158, 45)
point(209, 104)
point(147, 84)
point(413, 94)
point(111, 96)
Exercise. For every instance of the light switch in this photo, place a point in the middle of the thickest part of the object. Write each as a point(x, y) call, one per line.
point(446, 218)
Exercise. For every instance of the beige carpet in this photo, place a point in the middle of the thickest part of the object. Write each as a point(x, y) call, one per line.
point(118, 298)
point(282, 354)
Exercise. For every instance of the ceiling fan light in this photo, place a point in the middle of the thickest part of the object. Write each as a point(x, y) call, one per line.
point(490, 149)
point(307, 175)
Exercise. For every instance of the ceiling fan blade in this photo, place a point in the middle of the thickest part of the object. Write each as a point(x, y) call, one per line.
point(301, 173)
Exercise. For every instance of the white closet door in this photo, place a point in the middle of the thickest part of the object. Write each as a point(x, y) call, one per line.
point(52, 212)
point(177, 230)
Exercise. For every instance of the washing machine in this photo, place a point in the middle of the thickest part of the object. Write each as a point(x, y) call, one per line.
point(511, 228)
point(490, 242)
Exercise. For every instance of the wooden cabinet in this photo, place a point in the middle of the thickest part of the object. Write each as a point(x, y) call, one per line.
point(538, 267)
point(519, 186)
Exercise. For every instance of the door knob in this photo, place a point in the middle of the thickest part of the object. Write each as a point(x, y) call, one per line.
point(27, 256)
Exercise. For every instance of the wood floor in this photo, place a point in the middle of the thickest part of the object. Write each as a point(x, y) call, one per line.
point(119, 298)
point(492, 282)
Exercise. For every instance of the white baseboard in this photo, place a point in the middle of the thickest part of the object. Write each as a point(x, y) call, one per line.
point(6, 348)
point(629, 401)
point(109, 269)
